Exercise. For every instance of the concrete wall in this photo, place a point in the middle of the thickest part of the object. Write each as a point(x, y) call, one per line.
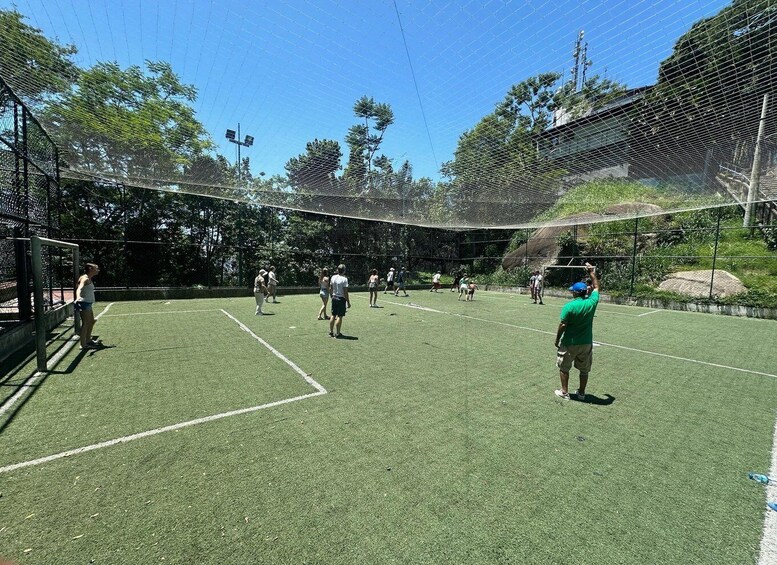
point(23, 336)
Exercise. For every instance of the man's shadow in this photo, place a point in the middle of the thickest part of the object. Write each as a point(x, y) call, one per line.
point(591, 399)
point(350, 337)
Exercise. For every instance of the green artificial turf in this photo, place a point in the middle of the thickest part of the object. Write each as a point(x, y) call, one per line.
point(439, 439)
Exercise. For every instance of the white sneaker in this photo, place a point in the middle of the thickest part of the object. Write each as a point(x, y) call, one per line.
point(561, 394)
point(579, 396)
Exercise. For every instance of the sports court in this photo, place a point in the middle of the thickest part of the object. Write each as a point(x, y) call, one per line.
point(202, 433)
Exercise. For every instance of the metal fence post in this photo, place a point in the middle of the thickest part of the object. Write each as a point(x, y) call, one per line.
point(634, 256)
point(715, 251)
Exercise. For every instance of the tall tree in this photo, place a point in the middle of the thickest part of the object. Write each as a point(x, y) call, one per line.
point(364, 143)
point(709, 90)
point(34, 66)
point(130, 122)
point(315, 170)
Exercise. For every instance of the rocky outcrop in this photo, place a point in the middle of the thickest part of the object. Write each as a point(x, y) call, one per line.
point(541, 249)
point(697, 283)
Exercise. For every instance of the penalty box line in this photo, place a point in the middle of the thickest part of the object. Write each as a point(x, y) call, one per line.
point(320, 390)
point(602, 343)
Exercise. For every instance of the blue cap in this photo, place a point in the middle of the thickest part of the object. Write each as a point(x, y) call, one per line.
point(579, 287)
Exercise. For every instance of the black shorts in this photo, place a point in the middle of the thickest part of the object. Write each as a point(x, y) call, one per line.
point(338, 306)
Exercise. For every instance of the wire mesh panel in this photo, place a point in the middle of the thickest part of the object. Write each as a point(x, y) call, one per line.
point(29, 205)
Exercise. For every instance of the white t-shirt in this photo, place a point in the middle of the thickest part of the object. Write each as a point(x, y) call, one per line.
point(436, 278)
point(390, 276)
point(538, 282)
point(338, 283)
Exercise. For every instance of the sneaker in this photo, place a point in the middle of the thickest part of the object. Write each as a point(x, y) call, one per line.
point(331, 334)
point(260, 313)
point(579, 395)
point(561, 394)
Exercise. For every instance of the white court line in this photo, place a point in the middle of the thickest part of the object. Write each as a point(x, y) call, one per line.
point(125, 439)
point(163, 312)
point(648, 313)
point(768, 554)
point(157, 431)
point(51, 364)
point(278, 354)
point(666, 355)
point(605, 311)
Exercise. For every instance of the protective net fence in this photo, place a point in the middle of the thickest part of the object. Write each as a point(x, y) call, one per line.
point(29, 205)
point(480, 118)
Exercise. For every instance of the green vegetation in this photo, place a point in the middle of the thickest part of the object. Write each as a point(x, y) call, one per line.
point(666, 243)
point(597, 196)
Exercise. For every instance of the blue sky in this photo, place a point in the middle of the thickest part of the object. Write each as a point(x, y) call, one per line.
point(289, 71)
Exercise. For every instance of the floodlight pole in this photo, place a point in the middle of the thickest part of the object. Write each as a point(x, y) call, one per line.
point(755, 174)
point(249, 140)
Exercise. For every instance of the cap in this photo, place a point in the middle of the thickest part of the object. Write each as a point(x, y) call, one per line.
point(579, 287)
point(391, 269)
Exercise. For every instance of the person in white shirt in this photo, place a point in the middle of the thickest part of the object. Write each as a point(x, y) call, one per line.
point(338, 288)
point(83, 305)
point(538, 288)
point(389, 281)
point(435, 282)
point(272, 284)
point(260, 290)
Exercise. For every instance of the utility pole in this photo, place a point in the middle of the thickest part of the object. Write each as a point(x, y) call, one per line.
point(249, 141)
point(752, 190)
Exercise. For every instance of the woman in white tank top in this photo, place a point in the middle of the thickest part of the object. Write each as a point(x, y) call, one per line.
point(83, 305)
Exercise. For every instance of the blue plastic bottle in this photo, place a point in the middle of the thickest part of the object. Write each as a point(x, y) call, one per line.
point(772, 505)
point(763, 479)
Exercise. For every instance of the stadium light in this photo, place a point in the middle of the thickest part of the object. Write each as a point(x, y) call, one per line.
point(234, 137)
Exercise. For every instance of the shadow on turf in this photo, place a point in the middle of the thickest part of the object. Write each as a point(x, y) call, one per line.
point(33, 388)
point(591, 399)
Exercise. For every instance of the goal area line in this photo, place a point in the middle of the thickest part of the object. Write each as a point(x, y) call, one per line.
point(319, 391)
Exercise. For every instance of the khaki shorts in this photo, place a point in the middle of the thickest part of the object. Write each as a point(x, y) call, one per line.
point(580, 355)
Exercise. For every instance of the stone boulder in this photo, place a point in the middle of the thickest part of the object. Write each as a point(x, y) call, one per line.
point(697, 283)
point(541, 248)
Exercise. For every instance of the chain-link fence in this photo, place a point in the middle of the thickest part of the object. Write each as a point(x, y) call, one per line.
point(29, 205)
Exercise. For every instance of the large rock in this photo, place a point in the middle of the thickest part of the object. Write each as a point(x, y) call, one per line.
point(541, 248)
point(697, 283)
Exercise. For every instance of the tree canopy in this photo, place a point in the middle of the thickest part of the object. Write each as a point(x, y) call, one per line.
point(35, 67)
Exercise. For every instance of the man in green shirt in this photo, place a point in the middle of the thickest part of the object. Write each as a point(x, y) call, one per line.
point(574, 338)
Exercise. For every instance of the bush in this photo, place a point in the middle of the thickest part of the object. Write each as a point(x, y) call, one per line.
point(769, 233)
point(512, 278)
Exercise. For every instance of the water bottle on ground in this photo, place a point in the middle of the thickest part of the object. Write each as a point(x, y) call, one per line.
point(763, 479)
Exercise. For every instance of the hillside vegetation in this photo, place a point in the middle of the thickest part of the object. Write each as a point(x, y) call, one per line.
point(665, 243)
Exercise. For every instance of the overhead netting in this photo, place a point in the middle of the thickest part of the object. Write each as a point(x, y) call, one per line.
point(447, 114)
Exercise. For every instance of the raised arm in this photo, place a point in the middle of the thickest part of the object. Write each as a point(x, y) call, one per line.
point(592, 274)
